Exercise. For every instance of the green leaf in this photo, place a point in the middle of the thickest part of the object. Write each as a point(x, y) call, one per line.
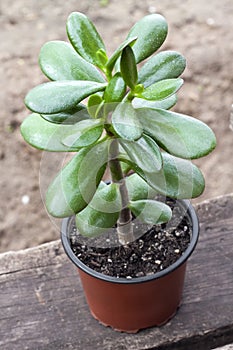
point(94, 160)
point(55, 97)
point(125, 168)
point(128, 67)
point(178, 178)
point(151, 211)
point(102, 212)
point(151, 31)
point(84, 133)
point(68, 193)
point(59, 61)
point(115, 90)
point(112, 60)
point(164, 65)
point(125, 122)
point(102, 57)
point(94, 104)
point(167, 103)
point(85, 38)
point(44, 135)
point(138, 188)
point(71, 116)
point(178, 134)
point(144, 153)
point(161, 90)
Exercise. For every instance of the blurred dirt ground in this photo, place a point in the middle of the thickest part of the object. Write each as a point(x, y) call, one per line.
point(201, 30)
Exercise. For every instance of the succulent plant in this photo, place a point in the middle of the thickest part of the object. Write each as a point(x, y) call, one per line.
point(115, 114)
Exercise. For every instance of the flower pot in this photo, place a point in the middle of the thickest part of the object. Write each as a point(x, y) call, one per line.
point(132, 304)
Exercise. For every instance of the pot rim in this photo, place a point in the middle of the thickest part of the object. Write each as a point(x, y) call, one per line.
point(195, 234)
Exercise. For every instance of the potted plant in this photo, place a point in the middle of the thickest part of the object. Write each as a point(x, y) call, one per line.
point(130, 237)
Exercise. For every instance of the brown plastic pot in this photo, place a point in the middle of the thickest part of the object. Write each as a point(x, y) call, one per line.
point(130, 305)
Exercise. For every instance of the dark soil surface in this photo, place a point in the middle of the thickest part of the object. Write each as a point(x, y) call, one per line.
point(201, 30)
point(157, 249)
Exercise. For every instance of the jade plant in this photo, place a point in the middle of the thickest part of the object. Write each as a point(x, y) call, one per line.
point(114, 114)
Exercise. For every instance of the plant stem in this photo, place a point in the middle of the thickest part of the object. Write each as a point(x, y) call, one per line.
point(124, 223)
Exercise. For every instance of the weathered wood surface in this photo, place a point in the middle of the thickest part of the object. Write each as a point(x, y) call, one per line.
point(42, 305)
point(227, 347)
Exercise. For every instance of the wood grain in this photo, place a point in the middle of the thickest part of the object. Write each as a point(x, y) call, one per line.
point(227, 347)
point(42, 304)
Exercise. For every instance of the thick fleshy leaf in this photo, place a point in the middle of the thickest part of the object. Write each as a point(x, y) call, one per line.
point(95, 159)
point(68, 193)
point(102, 57)
point(44, 135)
point(151, 31)
point(144, 152)
point(178, 134)
point(164, 65)
point(94, 104)
point(126, 167)
point(84, 37)
point(116, 54)
point(84, 133)
point(151, 211)
point(167, 103)
point(138, 188)
point(59, 61)
point(178, 178)
point(125, 122)
point(128, 67)
point(115, 90)
point(59, 96)
point(71, 116)
point(102, 212)
point(161, 90)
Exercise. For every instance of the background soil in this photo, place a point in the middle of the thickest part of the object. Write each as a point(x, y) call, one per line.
point(201, 30)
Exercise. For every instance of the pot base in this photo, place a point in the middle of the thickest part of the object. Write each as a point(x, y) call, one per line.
point(133, 331)
point(129, 307)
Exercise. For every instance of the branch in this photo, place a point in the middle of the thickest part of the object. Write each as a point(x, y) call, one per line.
point(124, 223)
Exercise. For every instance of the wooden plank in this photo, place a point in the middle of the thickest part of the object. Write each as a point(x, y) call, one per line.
point(42, 305)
